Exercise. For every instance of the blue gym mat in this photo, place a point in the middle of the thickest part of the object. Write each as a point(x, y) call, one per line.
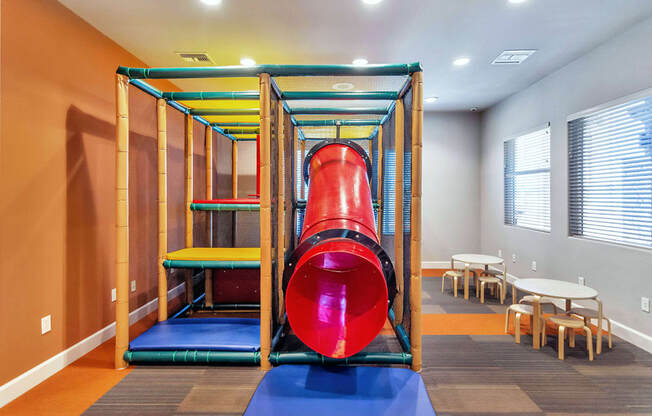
point(208, 334)
point(315, 390)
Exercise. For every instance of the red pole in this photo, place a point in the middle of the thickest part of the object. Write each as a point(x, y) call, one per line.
point(337, 297)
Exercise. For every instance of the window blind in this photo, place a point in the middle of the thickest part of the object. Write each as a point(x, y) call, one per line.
point(527, 180)
point(610, 174)
point(389, 177)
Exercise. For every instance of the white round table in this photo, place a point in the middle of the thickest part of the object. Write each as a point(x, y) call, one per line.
point(485, 261)
point(558, 289)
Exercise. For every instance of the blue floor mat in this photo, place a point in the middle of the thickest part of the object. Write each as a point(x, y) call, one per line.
point(315, 390)
point(207, 334)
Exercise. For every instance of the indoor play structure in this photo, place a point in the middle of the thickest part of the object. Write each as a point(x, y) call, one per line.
point(338, 202)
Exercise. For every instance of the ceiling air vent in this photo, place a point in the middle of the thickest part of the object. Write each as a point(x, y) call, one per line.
point(195, 57)
point(513, 57)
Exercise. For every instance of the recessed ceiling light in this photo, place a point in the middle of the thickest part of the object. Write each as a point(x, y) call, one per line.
point(371, 1)
point(513, 57)
point(360, 62)
point(517, 1)
point(211, 2)
point(247, 62)
point(461, 61)
point(431, 99)
point(343, 86)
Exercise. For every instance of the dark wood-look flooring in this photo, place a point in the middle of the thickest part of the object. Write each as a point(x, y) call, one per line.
point(465, 375)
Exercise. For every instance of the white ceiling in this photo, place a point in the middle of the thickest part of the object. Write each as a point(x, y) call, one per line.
point(433, 32)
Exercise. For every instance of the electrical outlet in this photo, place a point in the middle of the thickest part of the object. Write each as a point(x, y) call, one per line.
point(534, 266)
point(645, 305)
point(500, 253)
point(114, 295)
point(133, 285)
point(580, 280)
point(514, 258)
point(46, 324)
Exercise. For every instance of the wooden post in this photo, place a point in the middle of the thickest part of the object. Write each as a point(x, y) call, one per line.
point(303, 156)
point(295, 216)
point(162, 140)
point(208, 273)
point(122, 220)
point(208, 134)
point(379, 187)
point(280, 207)
point(415, 220)
point(399, 143)
point(265, 224)
point(234, 168)
point(188, 149)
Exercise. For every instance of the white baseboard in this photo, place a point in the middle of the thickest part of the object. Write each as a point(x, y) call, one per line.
point(31, 378)
point(631, 335)
point(435, 264)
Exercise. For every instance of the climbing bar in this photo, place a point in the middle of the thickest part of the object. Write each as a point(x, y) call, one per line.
point(278, 358)
point(245, 139)
point(193, 357)
point(225, 207)
point(242, 131)
point(227, 307)
point(320, 123)
point(321, 139)
point(338, 110)
point(273, 70)
point(334, 95)
point(237, 124)
point(205, 95)
point(224, 111)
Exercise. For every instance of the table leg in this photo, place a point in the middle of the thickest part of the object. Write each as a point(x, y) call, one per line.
point(536, 324)
point(598, 346)
point(466, 281)
point(502, 300)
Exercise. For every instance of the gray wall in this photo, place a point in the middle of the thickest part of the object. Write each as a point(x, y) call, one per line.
point(620, 67)
point(451, 184)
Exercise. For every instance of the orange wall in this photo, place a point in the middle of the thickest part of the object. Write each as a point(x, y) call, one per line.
point(57, 182)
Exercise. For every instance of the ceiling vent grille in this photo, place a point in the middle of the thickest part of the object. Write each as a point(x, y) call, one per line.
point(195, 57)
point(513, 57)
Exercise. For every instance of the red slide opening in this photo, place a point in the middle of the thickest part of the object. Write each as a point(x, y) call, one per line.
point(336, 299)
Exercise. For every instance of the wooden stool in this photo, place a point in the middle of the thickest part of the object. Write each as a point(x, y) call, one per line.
point(456, 275)
point(529, 300)
point(484, 280)
point(565, 321)
point(518, 311)
point(588, 314)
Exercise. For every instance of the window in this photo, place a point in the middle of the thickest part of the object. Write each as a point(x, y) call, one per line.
point(610, 174)
point(527, 180)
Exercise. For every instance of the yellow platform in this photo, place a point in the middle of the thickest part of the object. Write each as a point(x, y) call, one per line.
point(216, 254)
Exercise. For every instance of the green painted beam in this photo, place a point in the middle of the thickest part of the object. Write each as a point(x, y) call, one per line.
point(278, 358)
point(192, 357)
point(225, 207)
point(335, 95)
point(242, 131)
point(224, 111)
point(273, 70)
point(211, 264)
point(208, 95)
point(321, 123)
point(339, 110)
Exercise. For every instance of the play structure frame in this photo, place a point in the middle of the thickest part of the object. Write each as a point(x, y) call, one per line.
point(278, 129)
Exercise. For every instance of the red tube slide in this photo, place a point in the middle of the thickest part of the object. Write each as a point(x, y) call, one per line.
point(337, 295)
